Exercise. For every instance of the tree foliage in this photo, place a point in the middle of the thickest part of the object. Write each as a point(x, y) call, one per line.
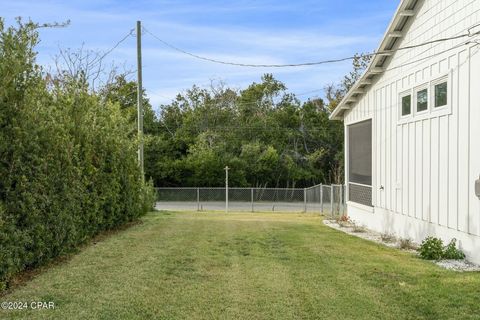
point(265, 134)
point(67, 161)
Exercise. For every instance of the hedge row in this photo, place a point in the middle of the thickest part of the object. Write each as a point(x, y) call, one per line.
point(68, 162)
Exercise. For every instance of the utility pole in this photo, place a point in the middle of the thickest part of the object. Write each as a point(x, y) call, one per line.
point(139, 98)
point(226, 189)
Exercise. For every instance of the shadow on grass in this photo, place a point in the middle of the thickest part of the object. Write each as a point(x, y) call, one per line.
point(29, 274)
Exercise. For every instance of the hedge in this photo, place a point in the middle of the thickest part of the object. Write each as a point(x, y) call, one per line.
point(68, 161)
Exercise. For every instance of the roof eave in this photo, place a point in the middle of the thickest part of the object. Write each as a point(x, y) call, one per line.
point(393, 32)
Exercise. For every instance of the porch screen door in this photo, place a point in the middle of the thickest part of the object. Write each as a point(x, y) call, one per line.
point(360, 162)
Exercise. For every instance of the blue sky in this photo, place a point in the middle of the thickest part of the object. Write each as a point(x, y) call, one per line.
point(246, 31)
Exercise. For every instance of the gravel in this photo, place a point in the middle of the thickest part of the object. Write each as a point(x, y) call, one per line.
point(366, 234)
point(349, 228)
point(458, 265)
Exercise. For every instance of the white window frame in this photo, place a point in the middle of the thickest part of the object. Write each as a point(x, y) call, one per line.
point(431, 111)
point(449, 93)
point(400, 103)
point(417, 89)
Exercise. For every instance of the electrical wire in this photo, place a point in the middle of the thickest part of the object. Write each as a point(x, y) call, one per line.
point(246, 104)
point(245, 64)
point(469, 33)
point(106, 53)
point(306, 129)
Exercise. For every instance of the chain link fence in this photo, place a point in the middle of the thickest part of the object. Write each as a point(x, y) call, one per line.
point(326, 199)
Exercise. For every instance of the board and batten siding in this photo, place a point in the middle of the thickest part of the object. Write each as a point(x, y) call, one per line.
point(428, 164)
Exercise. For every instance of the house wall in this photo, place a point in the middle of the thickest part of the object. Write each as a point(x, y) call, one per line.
point(428, 164)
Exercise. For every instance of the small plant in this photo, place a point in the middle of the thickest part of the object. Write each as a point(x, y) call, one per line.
point(388, 237)
point(431, 249)
point(407, 244)
point(451, 252)
point(358, 229)
point(344, 221)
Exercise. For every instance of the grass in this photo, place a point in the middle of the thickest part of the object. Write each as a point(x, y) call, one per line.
point(245, 266)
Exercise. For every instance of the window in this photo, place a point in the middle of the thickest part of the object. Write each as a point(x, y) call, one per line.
point(406, 105)
point(441, 94)
point(422, 100)
point(360, 162)
point(427, 99)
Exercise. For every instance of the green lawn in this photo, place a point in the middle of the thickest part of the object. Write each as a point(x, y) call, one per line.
point(245, 266)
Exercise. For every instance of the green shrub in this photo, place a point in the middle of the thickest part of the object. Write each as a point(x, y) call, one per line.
point(431, 249)
point(149, 196)
point(68, 166)
point(451, 251)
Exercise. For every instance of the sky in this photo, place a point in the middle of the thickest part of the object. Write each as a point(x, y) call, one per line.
point(244, 31)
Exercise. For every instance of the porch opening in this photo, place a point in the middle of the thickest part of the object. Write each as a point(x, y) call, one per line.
point(360, 163)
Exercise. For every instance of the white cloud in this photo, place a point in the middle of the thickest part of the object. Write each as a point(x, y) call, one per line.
point(101, 23)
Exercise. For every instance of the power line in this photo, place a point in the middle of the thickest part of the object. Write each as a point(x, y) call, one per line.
point(278, 103)
point(430, 56)
point(130, 33)
point(99, 58)
point(477, 41)
point(245, 64)
point(249, 127)
point(469, 33)
point(305, 129)
point(389, 69)
point(308, 92)
point(273, 103)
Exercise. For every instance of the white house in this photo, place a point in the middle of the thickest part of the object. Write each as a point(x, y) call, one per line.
point(412, 127)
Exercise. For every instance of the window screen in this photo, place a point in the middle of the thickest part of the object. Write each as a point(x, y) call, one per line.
point(441, 91)
point(360, 153)
point(406, 105)
point(422, 100)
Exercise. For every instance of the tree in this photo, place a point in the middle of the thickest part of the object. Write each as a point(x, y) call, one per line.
point(334, 94)
point(124, 92)
point(265, 134)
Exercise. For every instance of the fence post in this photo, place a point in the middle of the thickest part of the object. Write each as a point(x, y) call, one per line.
point(321, 198)
point(340, 204)
point(251, 198)
point(317, 196)
point(198, 199)
point(226, 189)
point(331, 199)
point(304, 199)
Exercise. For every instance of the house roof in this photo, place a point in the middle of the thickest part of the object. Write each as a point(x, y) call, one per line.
point(395, 32)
